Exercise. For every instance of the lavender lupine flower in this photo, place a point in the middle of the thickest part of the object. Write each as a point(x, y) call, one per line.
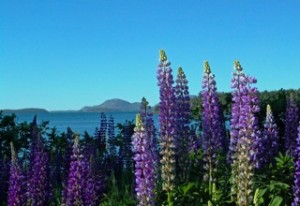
point(268, 144)
point(144, 171)
point(212, 126)
point(75, 184)
point(16, 195)
point(125, 151)
point(101, 136)
point(148, 122)
point(244, 135)
point(91, 185)
point(111, 137)
point(296, 201)
point(183, 113)
point(167, 122)
point(67, 160)
point(291, 124)
point(38, 176)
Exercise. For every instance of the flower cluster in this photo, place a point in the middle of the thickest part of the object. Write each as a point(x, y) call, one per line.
point(81, 186)
point(111, 136)
point(269, 142)
point(183, 136)
point(38, 177)
point(144, 171)
point(212, 126)
point(148, 122)
point(244, 135)
point(167, 122)
point(297, 172)
point(291, 125)
point(101, 133)
point(16, 195)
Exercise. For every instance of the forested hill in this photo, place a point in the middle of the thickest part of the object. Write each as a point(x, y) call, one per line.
point(113, 105)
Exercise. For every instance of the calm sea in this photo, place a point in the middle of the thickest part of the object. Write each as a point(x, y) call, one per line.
point(77, 121)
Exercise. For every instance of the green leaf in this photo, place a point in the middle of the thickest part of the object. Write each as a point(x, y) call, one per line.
point(187, 187)
point(276, 201)
point(258, 197)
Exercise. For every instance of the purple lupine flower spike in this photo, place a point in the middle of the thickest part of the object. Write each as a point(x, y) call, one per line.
point(291, 124)
point(16, 195)
point(102, 133)
point(244, 135)
point(167, 122)
point(91, 185)
point(75, 195)
point(38, 178)
point(212, 126)
point(183, 113)
point(269, 143)
point(296, 188)
point(148, 122)
point(111, 136)
point(144, 171)
point(81, 185)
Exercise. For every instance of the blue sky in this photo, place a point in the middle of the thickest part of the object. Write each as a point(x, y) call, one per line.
point(69, 54)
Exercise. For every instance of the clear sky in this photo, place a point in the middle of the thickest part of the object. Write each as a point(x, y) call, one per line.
point(69, 54)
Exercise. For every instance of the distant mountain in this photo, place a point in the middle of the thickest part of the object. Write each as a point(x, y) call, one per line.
point(113, 105)
point(34, 110)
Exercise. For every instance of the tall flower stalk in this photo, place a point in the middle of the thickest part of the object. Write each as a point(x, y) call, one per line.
point(269, 143)
point(296, 201)
point(148, 122)
point(81, 185)
point(212, 125)
point(144, 171)
point(16, 195)
point(75, 178)
point(244, 135)
point(101, 136)
point(167, 124)
point(38, 176)
point(111, 137)
point(182, 123)
point(291, 125)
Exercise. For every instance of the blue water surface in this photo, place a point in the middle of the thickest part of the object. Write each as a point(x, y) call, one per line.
point(77, 121)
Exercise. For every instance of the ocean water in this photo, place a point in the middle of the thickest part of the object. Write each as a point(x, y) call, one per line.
point(77, 121)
